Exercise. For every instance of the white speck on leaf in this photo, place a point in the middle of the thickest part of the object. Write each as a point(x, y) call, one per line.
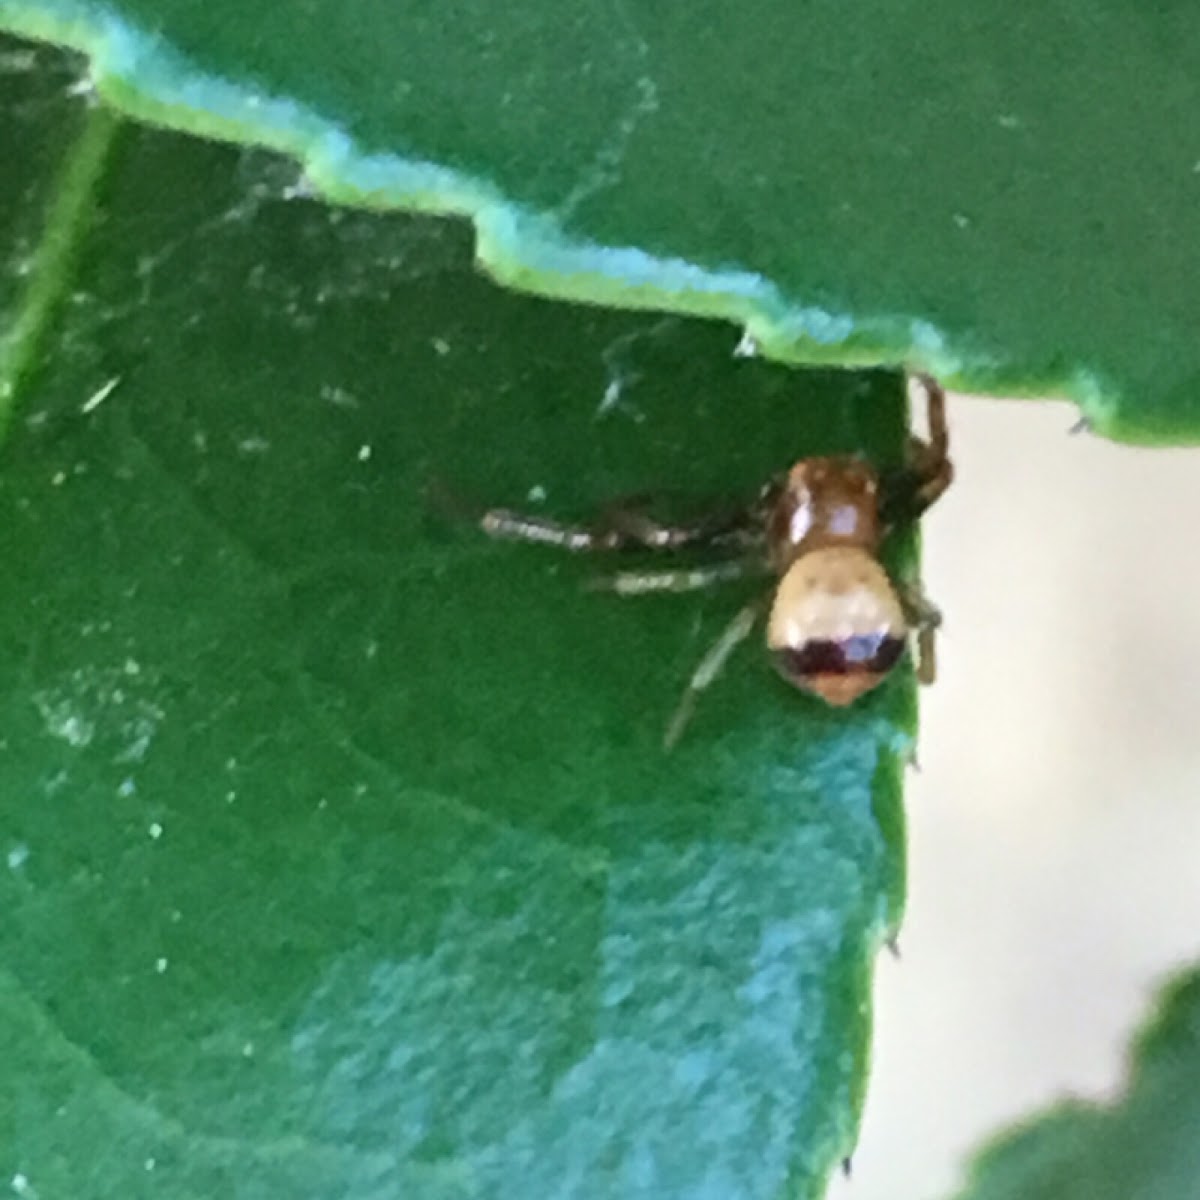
point(18, 856)
point(83, 86)
point(608, 401)
point(623, 372)
point(302, 189)
point(747, 346)
point(99, 396)
point(63, 720)
point(16, 61)
point(339, 397)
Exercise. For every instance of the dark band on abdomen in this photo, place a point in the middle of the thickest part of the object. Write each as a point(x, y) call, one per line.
point(864, 654)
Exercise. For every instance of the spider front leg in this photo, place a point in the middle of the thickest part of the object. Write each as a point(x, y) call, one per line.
point(929, 461)
point(619, 528)
point(506, 524)
point(931, 472)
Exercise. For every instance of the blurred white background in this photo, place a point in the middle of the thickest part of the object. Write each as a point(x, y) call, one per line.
point(1054, 829)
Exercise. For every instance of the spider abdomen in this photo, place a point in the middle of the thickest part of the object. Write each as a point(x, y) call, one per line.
point(836, 626)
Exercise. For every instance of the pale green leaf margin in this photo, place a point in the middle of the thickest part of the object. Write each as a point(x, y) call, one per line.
point(148, 79)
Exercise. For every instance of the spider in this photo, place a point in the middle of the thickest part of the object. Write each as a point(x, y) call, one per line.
point(836, 624)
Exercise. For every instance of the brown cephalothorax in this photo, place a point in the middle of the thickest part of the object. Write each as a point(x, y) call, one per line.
point(837, 623)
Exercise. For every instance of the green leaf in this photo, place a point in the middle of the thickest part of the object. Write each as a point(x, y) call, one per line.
point(343, 858)
point(1007, 200)
point(1145, 1145)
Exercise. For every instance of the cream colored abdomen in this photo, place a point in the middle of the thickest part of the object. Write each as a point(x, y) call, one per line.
point(833, 595)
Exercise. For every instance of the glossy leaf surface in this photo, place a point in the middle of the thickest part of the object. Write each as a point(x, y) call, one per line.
point(343, 857)
point(1006, 199)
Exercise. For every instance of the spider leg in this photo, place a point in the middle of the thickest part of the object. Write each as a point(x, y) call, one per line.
point(678, 579)
point(506, 524)
point(926, 655)
point(623, 527)
point(913, 488)
point(709, 668)
point(629, 518)
point(939, 431)
point(930, 460)
point(923, 616)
